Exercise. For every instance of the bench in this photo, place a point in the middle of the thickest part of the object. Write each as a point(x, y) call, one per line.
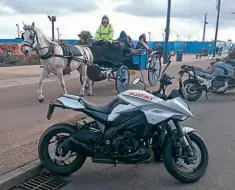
point(199, 56)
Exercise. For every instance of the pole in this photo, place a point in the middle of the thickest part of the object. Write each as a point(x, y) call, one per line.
point(18, 30)
point(53, 28)
point(149, 36)
point(58, 33)
point(204, 30)
point(217, 26)
point(163, 37)
point(167, 31)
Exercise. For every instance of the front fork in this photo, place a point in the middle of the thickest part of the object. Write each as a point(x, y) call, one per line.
point(183, 138)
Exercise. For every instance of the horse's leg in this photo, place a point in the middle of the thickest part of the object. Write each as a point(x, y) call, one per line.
point(62, 82)
point(82, 70)
point(89, 87)
point(43, 75)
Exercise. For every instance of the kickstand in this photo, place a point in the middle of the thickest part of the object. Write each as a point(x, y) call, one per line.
point(206, 95)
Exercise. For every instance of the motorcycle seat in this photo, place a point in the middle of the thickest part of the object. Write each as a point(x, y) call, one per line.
point(209, 71)
point(98, 108)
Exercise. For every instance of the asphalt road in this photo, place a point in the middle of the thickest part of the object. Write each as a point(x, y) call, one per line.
point(214, 121)
point(23, 119)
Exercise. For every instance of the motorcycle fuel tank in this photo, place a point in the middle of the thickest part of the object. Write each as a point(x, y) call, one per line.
point(223, 69)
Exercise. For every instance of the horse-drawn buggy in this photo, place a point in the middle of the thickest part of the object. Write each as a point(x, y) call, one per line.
point(116, 63)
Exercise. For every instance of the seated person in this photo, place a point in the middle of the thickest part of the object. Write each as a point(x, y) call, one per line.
point(142, 44)
point(105, 30)
point(123, 39)
point(130, 42)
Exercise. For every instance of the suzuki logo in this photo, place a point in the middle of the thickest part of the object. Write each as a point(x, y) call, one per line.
point(139, 95)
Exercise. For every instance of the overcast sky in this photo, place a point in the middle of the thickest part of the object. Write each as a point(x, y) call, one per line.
point(133, 16)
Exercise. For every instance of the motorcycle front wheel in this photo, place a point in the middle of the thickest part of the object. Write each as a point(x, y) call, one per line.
point(178, 165)
point(54, 161)
point(191, 93)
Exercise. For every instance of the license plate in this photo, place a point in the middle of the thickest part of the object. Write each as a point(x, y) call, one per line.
point(50, 110)
point(132, 72)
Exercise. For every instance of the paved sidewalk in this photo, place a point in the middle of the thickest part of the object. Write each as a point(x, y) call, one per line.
point(19, 71)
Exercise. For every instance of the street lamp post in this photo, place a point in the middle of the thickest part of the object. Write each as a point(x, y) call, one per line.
point(58, 33)
point(217, 25)
point(167, 30)
point(18, 30)
point(204, 30)
point(163, 36)
point(149, 36)
point(52, 19)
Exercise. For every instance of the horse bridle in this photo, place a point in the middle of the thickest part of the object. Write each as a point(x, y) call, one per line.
point(34, 36)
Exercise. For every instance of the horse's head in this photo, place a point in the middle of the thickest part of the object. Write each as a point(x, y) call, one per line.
point(30, 38)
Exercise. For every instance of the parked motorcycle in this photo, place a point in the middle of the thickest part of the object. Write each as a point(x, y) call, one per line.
point(128, 130)
point(217, 79)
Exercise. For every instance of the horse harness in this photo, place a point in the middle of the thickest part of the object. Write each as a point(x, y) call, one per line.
point(70, 51)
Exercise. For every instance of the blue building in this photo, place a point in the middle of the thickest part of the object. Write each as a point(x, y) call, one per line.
point(189, 47)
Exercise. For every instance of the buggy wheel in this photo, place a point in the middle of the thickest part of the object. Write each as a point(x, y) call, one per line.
point(122, 79)
point(154, 70)
point(81, 80)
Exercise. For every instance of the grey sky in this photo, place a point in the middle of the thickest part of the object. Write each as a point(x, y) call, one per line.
point(184, 9)
point(58, 7)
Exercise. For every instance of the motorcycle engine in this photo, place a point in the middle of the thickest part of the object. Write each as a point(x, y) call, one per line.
point(218, 82)
point(124, 144)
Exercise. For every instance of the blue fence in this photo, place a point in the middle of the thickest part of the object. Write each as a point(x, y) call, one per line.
point(186, 46)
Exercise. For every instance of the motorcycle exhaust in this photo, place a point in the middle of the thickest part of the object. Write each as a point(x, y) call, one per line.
point(76, 146)
point(222, 89)
point(191, 74)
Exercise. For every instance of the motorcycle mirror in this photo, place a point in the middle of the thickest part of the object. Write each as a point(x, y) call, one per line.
point(136, 80)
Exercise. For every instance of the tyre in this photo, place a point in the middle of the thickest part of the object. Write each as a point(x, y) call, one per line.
point(172, 161)
point(122, 80)
point(192, 94)
point(86, 87)
point(154, 70)
point(57, 164)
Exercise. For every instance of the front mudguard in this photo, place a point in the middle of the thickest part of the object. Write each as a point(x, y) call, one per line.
point(187, 130)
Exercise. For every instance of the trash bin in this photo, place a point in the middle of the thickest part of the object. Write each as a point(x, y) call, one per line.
point(179, 56)
point(205, 52)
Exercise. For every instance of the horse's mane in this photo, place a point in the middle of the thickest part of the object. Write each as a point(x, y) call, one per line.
point(40, 32)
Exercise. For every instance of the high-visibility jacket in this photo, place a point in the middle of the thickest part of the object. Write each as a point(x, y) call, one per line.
point(104, 33)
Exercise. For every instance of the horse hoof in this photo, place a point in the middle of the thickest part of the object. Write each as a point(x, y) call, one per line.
point(89, 94)
point(41, 100)
point(81, 95)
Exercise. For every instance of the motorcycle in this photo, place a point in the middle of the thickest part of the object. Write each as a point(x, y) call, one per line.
point(130, 129)
point(217, 79)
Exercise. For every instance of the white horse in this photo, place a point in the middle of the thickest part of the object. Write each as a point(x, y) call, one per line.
point(57, 58)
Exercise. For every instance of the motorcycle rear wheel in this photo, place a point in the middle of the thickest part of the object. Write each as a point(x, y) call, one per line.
point(45, 158)
point(169, 159)
point(192, 95)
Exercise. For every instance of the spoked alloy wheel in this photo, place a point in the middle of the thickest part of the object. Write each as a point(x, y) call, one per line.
point(191, 93)
point(182, 166)
point(122, 80)
point(154, 70)
point(54, 159)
